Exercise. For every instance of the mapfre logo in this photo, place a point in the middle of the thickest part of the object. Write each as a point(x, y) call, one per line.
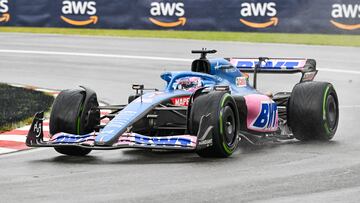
point(4, 11)
point(79, 8)
point(167, 9)
point(345, 11)
point(266, 10)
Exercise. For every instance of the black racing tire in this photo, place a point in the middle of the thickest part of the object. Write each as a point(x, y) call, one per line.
point(313, 111)
point(224, 118)
point(71, 113)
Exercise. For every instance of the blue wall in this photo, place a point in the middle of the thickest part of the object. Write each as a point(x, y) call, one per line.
point(293, 16)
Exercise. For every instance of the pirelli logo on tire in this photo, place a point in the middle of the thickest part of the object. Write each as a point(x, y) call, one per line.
point(4, 11)
point(79, 13)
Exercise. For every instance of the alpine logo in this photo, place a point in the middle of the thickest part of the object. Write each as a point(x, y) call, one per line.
point(79, 8)
point(347, 12)
point(266, 9)
point(4, 11)
point(166, 9)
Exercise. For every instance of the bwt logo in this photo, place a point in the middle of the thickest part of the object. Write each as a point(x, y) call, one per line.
point(345, 11)
point(4, 11)
point(267, 118)
point(288, 65)
point(159, 9)
point(267, 9)
point(173, 141)
point(79, 8)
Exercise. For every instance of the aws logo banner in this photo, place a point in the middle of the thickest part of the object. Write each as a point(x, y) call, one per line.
point(259, 14)
point(346, 16)
point(167, 14)
point(4, 11)
point(79, 13)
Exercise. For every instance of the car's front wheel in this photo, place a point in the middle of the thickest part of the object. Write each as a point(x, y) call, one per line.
point(72, 112)
point(221, 109)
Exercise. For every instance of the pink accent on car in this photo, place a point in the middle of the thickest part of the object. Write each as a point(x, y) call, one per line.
point(262, 115)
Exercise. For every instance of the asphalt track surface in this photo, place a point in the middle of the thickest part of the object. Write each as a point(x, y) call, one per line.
point(290, 172)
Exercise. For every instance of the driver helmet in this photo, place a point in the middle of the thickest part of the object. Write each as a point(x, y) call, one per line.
point(188, 83)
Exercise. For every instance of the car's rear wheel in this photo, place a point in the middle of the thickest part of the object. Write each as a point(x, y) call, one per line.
point(313, 112)
point(221, 109)
point(72, 112)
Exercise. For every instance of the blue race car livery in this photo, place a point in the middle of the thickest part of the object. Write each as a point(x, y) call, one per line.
point(209, 110)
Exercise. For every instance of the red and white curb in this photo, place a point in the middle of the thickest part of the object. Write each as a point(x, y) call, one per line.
point(14, 140)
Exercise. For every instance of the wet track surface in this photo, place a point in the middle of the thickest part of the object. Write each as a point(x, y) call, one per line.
point(288, 172)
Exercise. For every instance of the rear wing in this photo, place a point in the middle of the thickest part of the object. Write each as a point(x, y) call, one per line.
point(307, 67)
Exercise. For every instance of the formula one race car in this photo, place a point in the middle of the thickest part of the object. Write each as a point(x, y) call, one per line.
point(209, 110)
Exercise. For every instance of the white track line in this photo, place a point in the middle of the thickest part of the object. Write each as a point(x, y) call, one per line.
point(155, 58)
point(15, 138)
point(6, 150)
point(27, 127)
point(349, 106)
point(339, 70)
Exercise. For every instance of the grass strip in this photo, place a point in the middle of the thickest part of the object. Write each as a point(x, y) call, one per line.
point(289, 38)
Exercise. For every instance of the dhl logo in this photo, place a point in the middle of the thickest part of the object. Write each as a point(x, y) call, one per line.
point(79, 8)
point(259, 9)
point(4, 11)
point(347, 11)
point(167, 9)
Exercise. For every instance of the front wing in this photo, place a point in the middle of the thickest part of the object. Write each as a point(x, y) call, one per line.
point(126, 140)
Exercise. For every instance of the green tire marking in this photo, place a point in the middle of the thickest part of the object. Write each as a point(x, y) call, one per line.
point(221, 124)
point(324, 112)
point(226, 148)
point(78, 126)
point(220, 118)
point(326, 128)
point(78, 120)
point(224, 98)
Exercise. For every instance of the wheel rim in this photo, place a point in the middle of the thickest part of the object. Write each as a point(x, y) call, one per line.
point(332, 112)
point(229, 125)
